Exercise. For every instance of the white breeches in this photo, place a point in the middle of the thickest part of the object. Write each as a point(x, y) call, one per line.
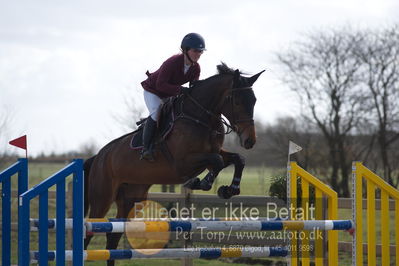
point(153, 102)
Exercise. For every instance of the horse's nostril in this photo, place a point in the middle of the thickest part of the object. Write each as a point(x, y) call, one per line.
point(249, 143)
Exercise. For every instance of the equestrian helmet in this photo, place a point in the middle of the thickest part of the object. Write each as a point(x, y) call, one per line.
point(193, 41)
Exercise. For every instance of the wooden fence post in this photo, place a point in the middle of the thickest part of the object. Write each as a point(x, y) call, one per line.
point(188, 242)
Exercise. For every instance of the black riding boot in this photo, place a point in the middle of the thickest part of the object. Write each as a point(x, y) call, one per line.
point(148, 134)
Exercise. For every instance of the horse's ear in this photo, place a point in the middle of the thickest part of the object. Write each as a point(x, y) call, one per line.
point(252, 79)
point(237, 75)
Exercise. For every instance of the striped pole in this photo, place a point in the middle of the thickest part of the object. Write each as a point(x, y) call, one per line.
point(117, 222)
point(186, 226)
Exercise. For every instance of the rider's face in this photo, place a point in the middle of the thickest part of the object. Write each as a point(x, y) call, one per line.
point(195, 54)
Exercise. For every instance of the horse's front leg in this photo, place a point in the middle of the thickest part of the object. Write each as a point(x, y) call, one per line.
point(213, 161)
point(227, 192)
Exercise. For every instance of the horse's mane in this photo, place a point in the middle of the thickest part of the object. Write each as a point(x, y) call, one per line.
point(224, 69)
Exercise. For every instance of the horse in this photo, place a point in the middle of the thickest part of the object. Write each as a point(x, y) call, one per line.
point(116, 174)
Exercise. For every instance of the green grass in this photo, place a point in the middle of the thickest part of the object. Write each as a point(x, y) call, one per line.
point(255, 181)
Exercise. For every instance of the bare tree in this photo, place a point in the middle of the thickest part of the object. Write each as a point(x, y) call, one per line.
point(380, 57)
point(135, 109)
point(88, 149)
point(4, 121)
point(299, 130)
point(323, 71)
point(271, 147)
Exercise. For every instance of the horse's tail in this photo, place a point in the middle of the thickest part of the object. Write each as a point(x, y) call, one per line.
point(86, 167)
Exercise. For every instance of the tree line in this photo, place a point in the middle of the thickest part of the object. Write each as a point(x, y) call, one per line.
point(347, 83)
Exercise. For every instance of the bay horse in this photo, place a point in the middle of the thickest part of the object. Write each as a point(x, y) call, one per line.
point(116, 173)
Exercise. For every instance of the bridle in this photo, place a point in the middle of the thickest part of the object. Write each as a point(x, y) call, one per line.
point(229, 127)
point(235, 121)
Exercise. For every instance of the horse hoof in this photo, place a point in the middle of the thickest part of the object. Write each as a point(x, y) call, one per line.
point(226, 192)
point(193, 183)
point(235, 191)
point(205, 185)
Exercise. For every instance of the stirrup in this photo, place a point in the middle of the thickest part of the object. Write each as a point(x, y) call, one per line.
point(147, 155)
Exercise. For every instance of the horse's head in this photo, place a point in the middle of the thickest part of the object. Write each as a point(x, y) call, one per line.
point(238, 108)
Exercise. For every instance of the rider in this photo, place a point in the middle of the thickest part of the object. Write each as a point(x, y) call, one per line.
point(167, 81)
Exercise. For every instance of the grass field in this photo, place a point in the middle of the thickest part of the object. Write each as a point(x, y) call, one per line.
point(256, 181)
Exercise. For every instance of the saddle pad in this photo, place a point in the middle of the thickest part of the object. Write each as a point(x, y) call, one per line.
point(162, 133)
point(166, 120)
point(137, 139)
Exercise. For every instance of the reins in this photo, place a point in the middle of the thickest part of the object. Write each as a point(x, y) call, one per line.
point(229, 127)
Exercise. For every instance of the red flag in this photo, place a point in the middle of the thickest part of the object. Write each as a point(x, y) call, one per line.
point(19, 142)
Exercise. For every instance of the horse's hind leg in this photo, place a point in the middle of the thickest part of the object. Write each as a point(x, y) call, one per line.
point(87, 239)
point(99, 205)
point(127, 196)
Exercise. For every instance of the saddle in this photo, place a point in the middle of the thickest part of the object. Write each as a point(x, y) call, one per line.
point(165, 124)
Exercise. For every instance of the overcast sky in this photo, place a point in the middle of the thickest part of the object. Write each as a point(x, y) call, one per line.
point(66, 67)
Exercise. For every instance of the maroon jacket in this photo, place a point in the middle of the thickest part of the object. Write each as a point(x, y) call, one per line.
point(167, 80)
